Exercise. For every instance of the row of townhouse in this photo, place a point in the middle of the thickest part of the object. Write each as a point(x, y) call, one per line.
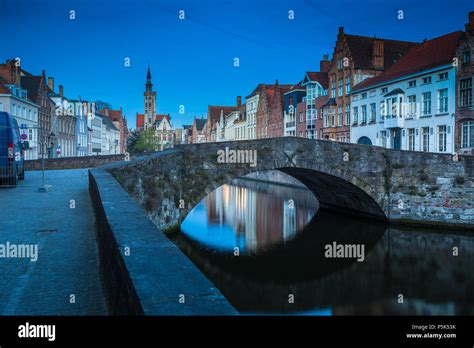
point(56, 126)
point(396, 94)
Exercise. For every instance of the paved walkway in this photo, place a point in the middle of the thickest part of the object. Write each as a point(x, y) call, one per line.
point(67, 262)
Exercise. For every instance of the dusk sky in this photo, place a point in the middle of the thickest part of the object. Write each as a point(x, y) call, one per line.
point(192, 60)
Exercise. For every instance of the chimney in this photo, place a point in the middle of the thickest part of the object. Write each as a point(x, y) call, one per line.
point(276, 83)
point(239, 102)
point(341, 30)
point(378, 53)
point(61, 90)
point(51, 83)
point(324, 64)
point(470, 25)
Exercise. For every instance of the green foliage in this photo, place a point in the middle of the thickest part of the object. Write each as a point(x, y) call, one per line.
point(146, 141)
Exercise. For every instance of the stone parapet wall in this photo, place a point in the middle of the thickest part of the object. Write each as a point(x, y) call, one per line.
point(72, 162)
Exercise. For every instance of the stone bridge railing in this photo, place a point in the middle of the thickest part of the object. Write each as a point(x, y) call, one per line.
point(72, 162)
point(358, 180)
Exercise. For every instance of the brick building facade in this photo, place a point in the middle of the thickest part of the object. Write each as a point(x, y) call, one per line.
point(301, 119)
point(38, 92)
point(269, 116)
point(355, 58)
point(464, 115)
point(213, 116)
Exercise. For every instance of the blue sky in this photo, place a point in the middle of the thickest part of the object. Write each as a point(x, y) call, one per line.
point(192, 59)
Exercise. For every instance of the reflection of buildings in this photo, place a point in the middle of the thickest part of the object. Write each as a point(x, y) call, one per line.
point(260, 217)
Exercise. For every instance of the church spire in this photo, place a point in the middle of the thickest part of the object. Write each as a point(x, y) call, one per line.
point(148, 84)
point(148, 74)
point(150, 101)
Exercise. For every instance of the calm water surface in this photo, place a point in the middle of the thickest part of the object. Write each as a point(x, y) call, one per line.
point(263, 245)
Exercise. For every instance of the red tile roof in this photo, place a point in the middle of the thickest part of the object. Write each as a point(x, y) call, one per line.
point(140, 120)
point(424, 56)
point(214, 112)
point(296, 86)
point(116, 115)
point(260, 87)
point(159, 117)
point(320, 77)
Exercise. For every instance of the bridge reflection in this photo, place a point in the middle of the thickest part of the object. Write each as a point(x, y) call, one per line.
point(417, 264)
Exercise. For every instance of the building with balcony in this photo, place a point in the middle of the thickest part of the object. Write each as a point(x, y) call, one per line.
point(411, 105)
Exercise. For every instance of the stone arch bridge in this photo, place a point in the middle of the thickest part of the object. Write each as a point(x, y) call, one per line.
point(359, 180)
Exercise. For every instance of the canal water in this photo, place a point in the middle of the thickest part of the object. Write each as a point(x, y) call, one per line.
point(269, 250)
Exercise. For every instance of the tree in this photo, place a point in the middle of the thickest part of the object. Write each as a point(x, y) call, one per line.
point(101, 105)
point(146, 141)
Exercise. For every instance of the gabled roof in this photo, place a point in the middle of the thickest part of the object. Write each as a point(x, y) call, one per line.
point(31, 84)
point(141, 119)
point(427, 55)
point(200, 122)
point(116, 115)
point(320, 77)
point(160, 117)
point(361, 50)
point(297, 87)
point(261, 86)
point(214, 112)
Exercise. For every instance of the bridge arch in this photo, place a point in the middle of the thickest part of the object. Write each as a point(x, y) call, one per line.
point(337, 194)
point(359, 180)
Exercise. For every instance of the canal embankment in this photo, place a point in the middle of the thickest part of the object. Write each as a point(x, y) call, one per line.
point(144, 272)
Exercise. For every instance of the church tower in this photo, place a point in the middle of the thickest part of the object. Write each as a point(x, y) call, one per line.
point(150, 102)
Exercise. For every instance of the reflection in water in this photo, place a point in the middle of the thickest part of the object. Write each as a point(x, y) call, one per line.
point(285, 261)
point(253, 218)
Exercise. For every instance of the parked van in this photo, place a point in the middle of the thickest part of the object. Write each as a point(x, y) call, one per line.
point(11, 151)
